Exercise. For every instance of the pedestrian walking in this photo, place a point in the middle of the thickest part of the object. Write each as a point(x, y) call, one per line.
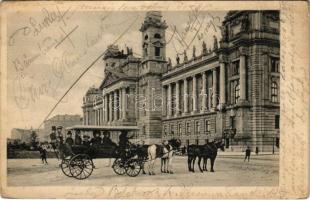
point(256, 150)
point(43, 154)
point(247, 154)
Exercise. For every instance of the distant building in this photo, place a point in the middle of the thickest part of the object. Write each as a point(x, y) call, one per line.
point(23, 135)
point(234, 87)
point(59, 120)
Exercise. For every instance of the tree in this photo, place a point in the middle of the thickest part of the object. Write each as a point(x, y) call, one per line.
point(34, 141)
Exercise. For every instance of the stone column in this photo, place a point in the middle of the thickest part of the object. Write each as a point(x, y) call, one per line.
point(194, 94)
point(169, 109)
point(86, 117)
point(124, 103)
point(96, 117)
point(204, 92)
point(105, 108)
point(116, 108)
point(222, 84)
point(214, 89)
point(110, 106)
point(185, 96)
point(177, 98)
point(242, 78)
point(164, 101)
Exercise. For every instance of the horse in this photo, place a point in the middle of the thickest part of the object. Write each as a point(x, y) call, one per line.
point(204, 152)
point(151, 152)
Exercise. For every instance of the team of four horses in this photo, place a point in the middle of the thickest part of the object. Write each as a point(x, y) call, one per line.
point(130, 159)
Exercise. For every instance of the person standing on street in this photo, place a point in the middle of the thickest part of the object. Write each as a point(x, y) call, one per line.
point(247, 154)
point(53, 137)
point(43, 154)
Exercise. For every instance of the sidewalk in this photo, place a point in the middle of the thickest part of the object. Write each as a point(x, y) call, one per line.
point(239, 153)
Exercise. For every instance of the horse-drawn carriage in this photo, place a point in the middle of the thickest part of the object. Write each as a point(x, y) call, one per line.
point(79, 164)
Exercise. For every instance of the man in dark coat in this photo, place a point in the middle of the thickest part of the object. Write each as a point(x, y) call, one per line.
point(123, 143)
point(86, 141)
point(60, 138)
point(77, 139)
point(63, 148)
point(96, 140)
point(53, 137)
point(69, 139)
point(106, 140)
point(247, 154)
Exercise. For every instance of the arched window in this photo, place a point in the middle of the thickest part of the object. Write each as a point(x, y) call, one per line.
point(157, 35)
point(237, 93)
point(274, 92)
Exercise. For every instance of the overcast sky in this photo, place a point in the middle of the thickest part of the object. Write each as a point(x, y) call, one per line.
point(42, 65)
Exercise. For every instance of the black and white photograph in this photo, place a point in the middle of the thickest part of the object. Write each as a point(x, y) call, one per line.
point(145, 98)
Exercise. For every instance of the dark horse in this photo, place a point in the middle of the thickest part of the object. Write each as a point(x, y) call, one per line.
point(204, 152)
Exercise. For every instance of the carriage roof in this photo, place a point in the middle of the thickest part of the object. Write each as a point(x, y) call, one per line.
point(103, 128)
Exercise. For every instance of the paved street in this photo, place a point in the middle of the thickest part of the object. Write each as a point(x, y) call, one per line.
point(230, 170)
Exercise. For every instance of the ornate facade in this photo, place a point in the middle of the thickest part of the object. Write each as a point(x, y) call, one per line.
point(234, 87)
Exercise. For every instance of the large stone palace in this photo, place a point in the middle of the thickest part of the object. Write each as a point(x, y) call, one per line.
point(234, 88)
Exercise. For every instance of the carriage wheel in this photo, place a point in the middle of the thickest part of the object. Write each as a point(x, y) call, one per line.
point(133, 168)
point(65, 167)
point(81, 166)
point(118, 166)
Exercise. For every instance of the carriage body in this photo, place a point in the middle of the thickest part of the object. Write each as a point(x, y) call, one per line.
point(80, 164)
point(96, 151)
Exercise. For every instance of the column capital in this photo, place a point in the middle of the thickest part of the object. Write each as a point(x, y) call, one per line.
point(223, 58)
point(242, 51)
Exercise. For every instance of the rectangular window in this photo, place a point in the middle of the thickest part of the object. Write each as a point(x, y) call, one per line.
point(235, 68)
point(207, 126)
point(157, 51)
point(180, 128)
point(215, 125)
point(165, 130)
point(143, 131)
point(210, 98)
point(274, 92)
point(275, 62)
point(233, 122)
point(277, 121)
point(188, 128)
point(197, 127)
point(172, 129)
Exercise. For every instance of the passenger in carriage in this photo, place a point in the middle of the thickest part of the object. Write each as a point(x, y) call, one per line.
point(96, 140)
point(77, 139)
point(69, 139)
point(106, 140)
point(86, 141)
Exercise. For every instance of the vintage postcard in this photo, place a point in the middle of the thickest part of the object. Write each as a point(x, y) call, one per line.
point(153, 99)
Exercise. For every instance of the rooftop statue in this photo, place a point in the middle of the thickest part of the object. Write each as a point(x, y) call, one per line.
point(194, 52)
point(178, 59)
point(215, 45)
point(204, 48)
point(185, 56)
point(169, 64)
